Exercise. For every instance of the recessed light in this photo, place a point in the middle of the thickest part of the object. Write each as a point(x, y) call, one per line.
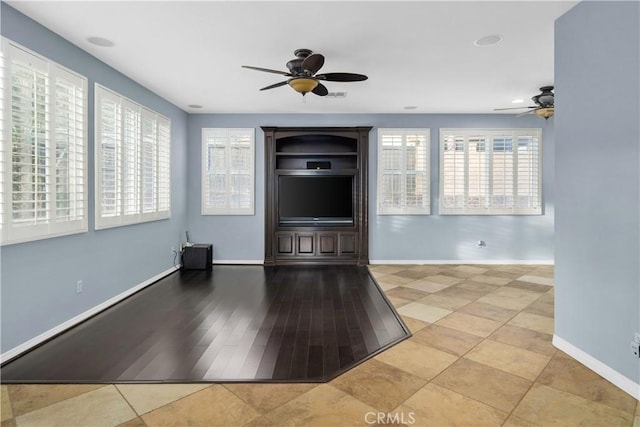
point(195, 106)
point(489, 40)
point(517, 101)
point(99, 41)
point(410, 107)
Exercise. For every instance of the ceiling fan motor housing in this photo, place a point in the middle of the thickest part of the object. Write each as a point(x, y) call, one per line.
point(546, 98)
point(295, 67)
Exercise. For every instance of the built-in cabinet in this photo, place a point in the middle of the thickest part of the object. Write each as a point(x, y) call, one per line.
point(316, 152)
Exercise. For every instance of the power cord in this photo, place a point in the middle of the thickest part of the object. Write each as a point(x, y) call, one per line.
point(175, 255)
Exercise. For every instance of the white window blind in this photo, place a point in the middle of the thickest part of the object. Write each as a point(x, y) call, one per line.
point(228, 169)
point(490, 171)
point(133, 162)
point(43, 157)
point(403, 172)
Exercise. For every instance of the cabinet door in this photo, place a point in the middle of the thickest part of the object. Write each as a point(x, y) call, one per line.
point(348, 243)
point(327, 243)
point(305, 244)
point(285, 243)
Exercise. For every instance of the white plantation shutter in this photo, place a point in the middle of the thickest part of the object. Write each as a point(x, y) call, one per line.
point(70, 149)
point(44, 147)
point(149, 163)
point(478, 173)
point(133, 162)
point(453, 190)
point(164, 165)
point(502, 172)
point(403, 172)
point(528, 167)
point(228, 169)
point(109, 149)
point(130, 157)
point(490, 171)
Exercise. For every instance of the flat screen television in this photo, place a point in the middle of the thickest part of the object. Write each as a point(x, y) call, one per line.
point(315, 200)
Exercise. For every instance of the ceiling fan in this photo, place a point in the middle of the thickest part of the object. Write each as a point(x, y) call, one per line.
point(543, 101)
point(303, 77)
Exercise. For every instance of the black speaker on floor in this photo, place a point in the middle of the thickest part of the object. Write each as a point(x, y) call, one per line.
point(197, 257)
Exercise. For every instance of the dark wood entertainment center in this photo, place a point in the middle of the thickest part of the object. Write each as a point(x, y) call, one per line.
point(316, 152)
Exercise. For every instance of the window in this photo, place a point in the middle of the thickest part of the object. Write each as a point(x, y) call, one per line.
point(228, 169)
point(490, 171)
point(133, 162)
point(403, 172)
point(43, 157)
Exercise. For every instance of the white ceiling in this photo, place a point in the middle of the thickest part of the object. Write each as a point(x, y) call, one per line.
point(417, 53)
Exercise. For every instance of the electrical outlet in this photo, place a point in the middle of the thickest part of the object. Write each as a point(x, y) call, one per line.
point(635, 348)
point(78, 286)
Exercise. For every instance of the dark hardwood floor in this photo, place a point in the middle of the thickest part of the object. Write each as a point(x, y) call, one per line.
point(233, 323)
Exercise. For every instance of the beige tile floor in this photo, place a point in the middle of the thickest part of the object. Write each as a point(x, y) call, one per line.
point(480, 355)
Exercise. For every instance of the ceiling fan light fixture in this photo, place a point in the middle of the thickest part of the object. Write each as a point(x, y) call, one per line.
point(303, 84)
point(544, 113)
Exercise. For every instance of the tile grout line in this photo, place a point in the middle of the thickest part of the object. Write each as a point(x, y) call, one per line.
point(534, 382)
point(264, 414)
point(13, 414)
point(166, 404)
point(102, 385)
point(139, 416)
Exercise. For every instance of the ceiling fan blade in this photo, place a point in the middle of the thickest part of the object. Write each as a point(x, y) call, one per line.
point(268, 70)
point(320, 90)
point(526, 113)
point(513, 108)
point(313, 63)
point(275, 85)
point(342, 77)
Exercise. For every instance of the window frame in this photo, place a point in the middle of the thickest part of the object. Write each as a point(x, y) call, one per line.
point(489, 136)
point(404, 210)
point(227, 210)
point(138, 215)
point(10, 233)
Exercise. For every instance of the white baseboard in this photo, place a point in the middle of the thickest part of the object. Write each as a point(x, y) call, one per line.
point(239, 261)
point(608, 373)
point(16, 351)
point(409, 261)
point(463, 261)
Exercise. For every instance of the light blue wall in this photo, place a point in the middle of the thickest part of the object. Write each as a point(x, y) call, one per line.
point(38, 279)
point(431, 237)
point(598, 181)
